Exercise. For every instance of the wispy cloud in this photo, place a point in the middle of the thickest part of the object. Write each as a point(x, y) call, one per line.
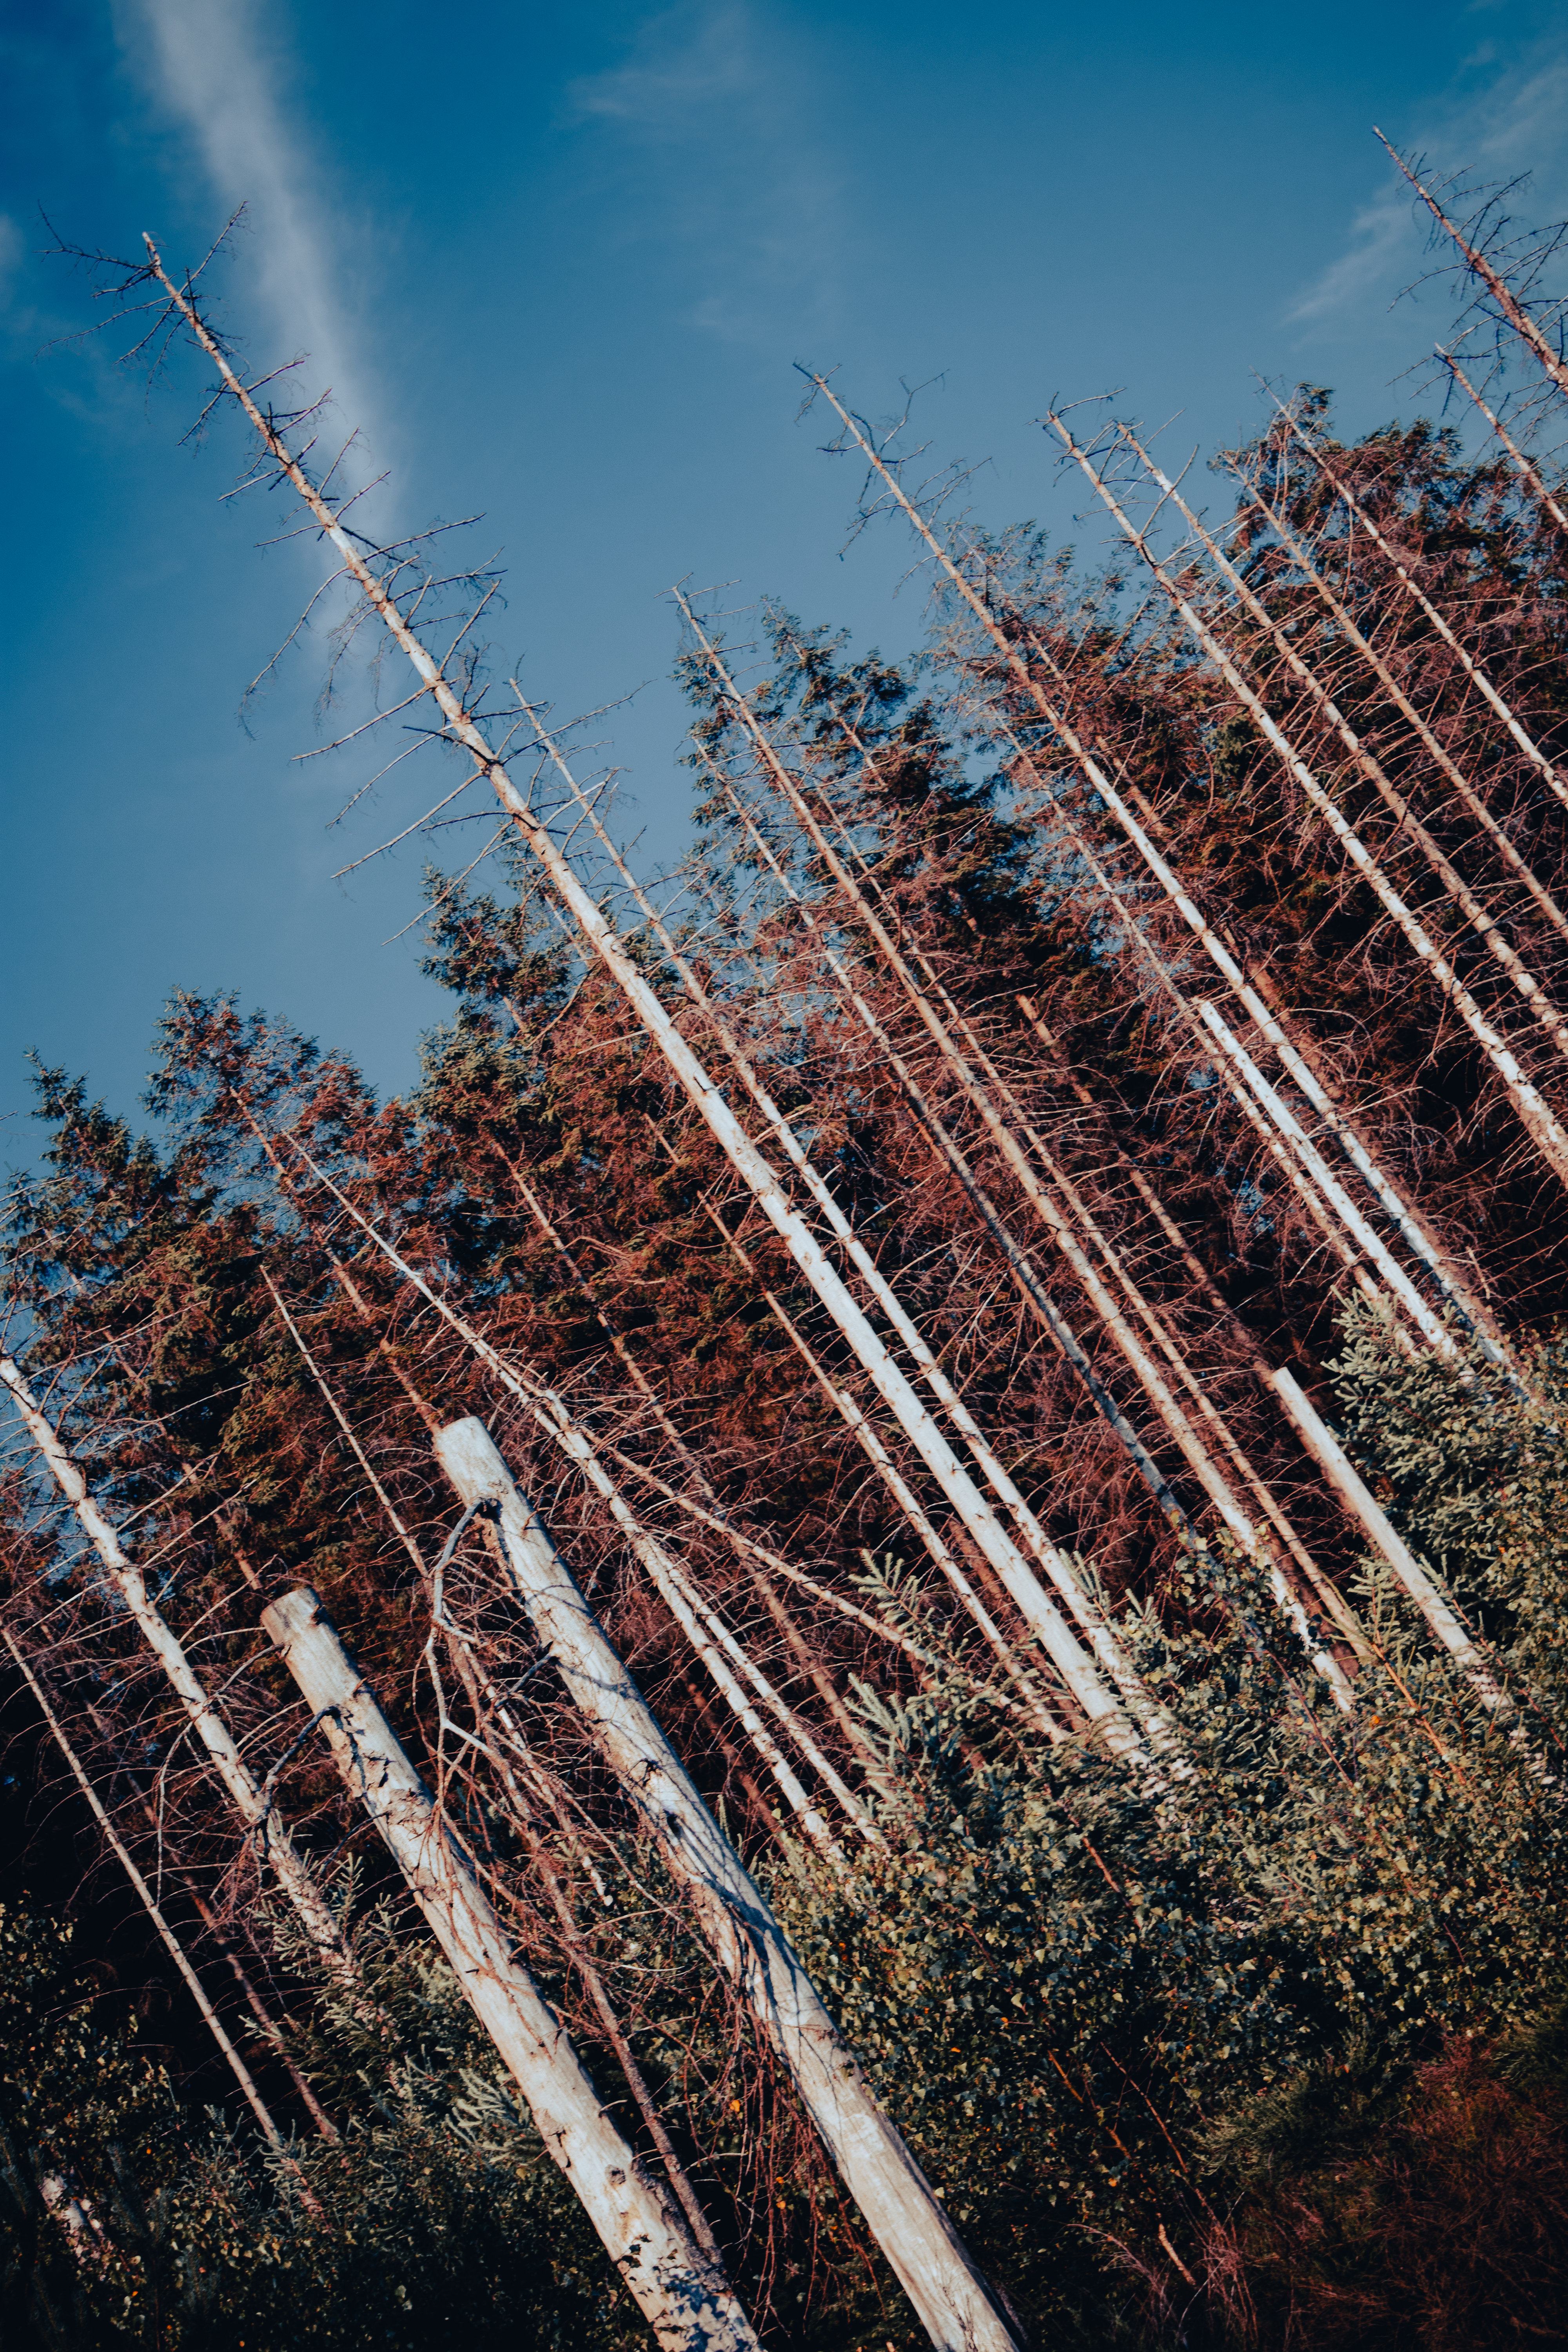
point(1383, 240)
point(1503, 119)
point(716, 113)
point(683, 61)
point(210, 65)
point(11, 256)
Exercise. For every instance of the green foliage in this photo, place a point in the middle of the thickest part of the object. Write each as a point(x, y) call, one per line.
point(1132, 2031)
point(1266, 2044)
point(128, 2221)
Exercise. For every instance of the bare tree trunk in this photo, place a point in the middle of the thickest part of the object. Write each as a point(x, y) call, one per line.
point(1051, 1214)
point(697, 1621)
point(857, 891)
point(1044, 1618)
point(557, 1424)
point(175, 1950)
point(1514, 451)
point(1534, 1114)
point(1461, 784)
point(225, 1943)
point(1317, 1095)
point(687, 2301)
point(1483, 924)
point(1096, 1701)
point(805, 1655)
point(490, 1710)
point(1513, 311)
point(256, 1810)
point(1341, 1471)
point(1471, 668)
point(1280, 1131)
point(906, 2219)
point(878, 1455)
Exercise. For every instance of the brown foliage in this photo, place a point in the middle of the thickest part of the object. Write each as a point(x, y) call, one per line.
point(1445, 2231)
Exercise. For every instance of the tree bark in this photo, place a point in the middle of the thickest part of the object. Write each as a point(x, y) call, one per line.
point(688, 2304)
point(893, 2194)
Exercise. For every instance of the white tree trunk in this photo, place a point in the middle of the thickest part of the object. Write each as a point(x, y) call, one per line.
point(1055, 718)
point(1301, 1163)
point(1343, 1475)
point(255, 1810)
point(1461, 784)
point(172, 1944)
point(688, 2306)
point(1534, 1113)
point(899, 2205)
point(1048, 1208)
point(1507, 303)
point(1090, 1692)
point(1514, 451)
point(985, 1529)
point(1471, 668)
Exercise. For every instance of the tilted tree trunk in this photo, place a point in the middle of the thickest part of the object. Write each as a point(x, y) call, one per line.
point(982, 1523)
point(689, 2305)
point(1098, 1701)
point(256, 1810)
point(1440, 1271)
point(1507, 303)
point(802, 1649)
point(698, 1620)
point(1048, 1200)
point(1471, 799)
point(892, 2193)
point(1342, 1475)
point(1282, 1134)
point(1483, 924)
point(171, 1942)
point(1535, 1115)
point(1526, 470)
point(861, 891)
point(1419, 598)
point(877, 1454)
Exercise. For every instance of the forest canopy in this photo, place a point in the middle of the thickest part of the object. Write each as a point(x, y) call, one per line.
point(857, 1638)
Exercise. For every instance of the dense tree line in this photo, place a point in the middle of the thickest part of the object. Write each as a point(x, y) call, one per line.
point(1234, 2015)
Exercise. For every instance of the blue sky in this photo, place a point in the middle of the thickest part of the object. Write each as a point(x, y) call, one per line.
point(556, 264)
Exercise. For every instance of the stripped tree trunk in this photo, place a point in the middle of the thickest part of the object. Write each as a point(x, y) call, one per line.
point(701, 1624)
point(1301, 1162)
point(1483, 924)
point(892, 2193)
point(687, 2303)
point(1534, 1114)
point(1513, 311)
point(1514, 451)
point(256, 1810)
point(976, 1514)
point(1471, 668)
point(1461, 784)
point(861, 891)
point(1176, 1423)
point(1055, 718)
point(175, 1950)
point(806, 1656)
point(1050, 1212)
point(857, 891)
point(878, 1455)
point(1341, 1471)
point(1090, 1692)
point(1034, 1292)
